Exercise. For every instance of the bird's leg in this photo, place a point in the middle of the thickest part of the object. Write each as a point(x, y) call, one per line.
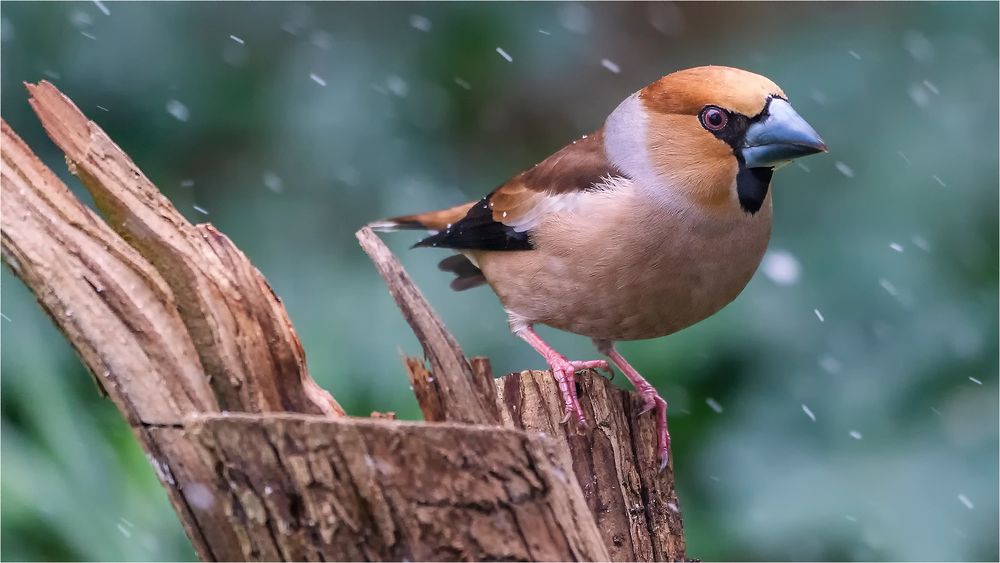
point(650, 397)
point(565, 373)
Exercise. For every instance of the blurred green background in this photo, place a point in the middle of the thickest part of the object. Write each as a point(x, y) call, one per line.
point(844, 407)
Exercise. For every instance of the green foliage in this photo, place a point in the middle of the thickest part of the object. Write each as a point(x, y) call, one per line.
point(905, 94)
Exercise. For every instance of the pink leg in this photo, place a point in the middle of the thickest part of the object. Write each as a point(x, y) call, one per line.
point(565, 373)
point(651, 399)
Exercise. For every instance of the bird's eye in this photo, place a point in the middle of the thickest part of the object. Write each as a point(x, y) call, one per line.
point(714, 119)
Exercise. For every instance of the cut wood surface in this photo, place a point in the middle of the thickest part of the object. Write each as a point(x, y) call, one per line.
point(188, 340)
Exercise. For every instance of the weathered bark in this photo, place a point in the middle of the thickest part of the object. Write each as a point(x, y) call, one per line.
point(615, 461)
point(243, 336)
point(310, 488)
point(176, 325)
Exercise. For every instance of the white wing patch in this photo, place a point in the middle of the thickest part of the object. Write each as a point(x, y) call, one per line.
point(584, 203)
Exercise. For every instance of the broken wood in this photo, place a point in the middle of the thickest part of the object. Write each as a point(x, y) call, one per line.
point(178, 328)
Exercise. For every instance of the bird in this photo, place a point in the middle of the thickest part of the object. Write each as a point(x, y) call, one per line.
point(649, 224)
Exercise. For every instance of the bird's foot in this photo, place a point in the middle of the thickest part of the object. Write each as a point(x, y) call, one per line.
point(652, 401)
point(565, 373)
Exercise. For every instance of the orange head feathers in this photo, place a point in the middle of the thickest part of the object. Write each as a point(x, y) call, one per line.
point(711, 135)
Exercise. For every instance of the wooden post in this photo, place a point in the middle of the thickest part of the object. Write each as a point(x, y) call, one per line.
point(187, 339)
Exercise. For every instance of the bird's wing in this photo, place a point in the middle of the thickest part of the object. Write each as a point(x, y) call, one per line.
point(504, 219)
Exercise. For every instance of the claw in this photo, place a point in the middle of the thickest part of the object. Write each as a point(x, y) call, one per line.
point(664, 460)
point(648, 404)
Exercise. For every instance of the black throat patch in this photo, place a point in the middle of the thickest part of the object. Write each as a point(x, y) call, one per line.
point(751, 186)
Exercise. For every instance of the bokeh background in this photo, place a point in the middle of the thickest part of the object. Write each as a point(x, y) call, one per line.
point(844, 407)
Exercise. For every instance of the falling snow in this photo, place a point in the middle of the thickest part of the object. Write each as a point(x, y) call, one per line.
point(100, 6)
point(844, 169)
point(921, 243)
point(315, 78)
point(919, 95)
point(888, 287)
point(421, 23)
point(939, 181)
point(781, 267)
point(575, 17)
point(819, 315)
point(461, 82)
point(965, 500)
point(829, 364)
point(187, 183)
point(178, 110)
point(714, 405)
point(974, 380)
point(896, 246)
point(321, 39)
point(273, 182)
point(855, 434)
point(200, 210)
point(919, 46)
point(199, 496)
point(504, 54)
point(854, 54)
point(611, 65)
point(397, 85)
point(236, 39)
point(79, 18)
point(808, 412)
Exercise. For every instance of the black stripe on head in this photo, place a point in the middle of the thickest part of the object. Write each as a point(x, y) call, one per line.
point(478, 231)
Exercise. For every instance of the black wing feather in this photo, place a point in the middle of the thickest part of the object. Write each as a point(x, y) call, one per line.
point(479, 231)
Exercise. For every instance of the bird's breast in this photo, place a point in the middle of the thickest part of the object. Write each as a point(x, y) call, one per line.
point(629, 270)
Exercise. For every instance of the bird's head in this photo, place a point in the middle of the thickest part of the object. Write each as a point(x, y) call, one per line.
point(717, 133)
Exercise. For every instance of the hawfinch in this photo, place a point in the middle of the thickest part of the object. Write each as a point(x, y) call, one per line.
point(644, 227)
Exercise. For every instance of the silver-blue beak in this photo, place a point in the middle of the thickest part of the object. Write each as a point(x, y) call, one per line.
point(782, 136)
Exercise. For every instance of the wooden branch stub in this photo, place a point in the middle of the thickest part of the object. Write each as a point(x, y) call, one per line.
point(615, 461)
point(240, 329)
point(306, 488)
point(456, 392)
point(99, 290)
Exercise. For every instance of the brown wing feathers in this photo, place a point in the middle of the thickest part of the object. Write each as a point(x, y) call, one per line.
point(487, 223)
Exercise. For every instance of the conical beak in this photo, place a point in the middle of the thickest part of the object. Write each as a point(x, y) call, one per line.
point(780, 137)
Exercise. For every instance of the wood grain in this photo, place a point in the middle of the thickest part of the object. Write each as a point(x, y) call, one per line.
point(239, 327)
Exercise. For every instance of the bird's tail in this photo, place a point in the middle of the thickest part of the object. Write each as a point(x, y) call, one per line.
point(431, 221)
point(467, 275)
